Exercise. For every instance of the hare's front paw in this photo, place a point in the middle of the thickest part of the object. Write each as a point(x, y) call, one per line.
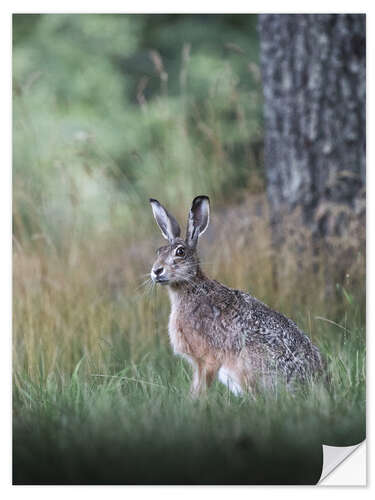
point(196, 391)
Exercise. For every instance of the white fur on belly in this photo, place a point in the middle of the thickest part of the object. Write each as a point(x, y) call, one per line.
point(227, 378)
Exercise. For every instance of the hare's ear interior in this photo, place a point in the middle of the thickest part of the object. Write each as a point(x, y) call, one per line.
point(168, 225)
point(199, 216)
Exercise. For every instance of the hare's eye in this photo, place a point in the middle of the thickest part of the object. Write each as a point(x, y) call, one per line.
point(180, 252)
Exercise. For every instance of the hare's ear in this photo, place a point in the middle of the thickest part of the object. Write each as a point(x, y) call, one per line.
point(168, 225)
point(199, 216)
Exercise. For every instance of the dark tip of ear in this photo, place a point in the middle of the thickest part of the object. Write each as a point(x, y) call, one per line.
point(200, 198)
point(152, 200)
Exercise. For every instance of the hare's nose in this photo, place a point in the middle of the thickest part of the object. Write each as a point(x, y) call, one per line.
point(158, 271)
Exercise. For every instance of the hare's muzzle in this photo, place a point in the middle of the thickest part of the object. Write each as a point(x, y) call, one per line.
point(158, 275)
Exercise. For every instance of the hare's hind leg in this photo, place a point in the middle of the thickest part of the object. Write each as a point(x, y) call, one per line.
point(231, 379)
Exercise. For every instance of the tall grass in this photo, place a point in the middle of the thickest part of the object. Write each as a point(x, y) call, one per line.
point(100, 398)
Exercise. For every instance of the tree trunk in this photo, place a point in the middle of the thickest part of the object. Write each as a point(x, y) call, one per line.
point(313, 69)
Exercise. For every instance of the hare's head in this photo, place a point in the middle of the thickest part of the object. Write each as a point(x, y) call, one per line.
point(178, 261)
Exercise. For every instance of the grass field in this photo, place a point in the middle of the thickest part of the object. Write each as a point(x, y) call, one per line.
point(99, 397)
point(137, 425)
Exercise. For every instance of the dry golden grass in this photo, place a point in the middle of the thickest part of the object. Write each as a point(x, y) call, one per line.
point(95, 381)
point(70, 305)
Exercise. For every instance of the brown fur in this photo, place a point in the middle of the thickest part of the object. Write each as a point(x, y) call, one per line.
point(221, 330)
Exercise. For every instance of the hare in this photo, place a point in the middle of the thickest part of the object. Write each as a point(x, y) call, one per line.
point(219, 330)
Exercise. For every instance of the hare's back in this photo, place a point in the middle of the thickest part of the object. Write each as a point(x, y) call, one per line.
point(267, 334)
point(288, 346)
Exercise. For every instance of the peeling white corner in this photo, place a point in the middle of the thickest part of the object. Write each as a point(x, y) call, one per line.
point(344, 465)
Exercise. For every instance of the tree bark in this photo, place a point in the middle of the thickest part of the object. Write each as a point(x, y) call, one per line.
point(313, 70)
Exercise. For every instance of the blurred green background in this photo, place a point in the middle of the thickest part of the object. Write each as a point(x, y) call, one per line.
point(127, 107)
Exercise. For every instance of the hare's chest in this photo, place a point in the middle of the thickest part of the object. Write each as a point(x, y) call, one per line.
point(178, 335)
point(185, 339)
